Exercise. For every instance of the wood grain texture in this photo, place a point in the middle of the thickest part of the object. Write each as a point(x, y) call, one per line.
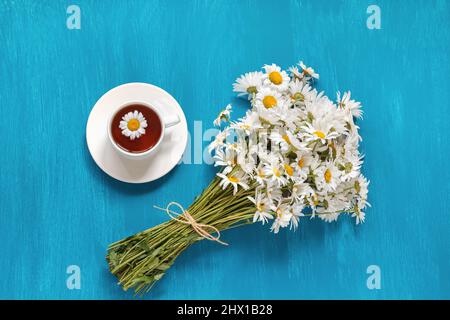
point(57, 208)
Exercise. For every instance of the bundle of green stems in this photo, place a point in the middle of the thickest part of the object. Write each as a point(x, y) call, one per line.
point(139, 261)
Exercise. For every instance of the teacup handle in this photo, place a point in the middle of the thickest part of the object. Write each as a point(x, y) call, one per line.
point(171, 120)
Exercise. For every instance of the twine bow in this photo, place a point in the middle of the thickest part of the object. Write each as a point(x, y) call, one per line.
point(186, 218)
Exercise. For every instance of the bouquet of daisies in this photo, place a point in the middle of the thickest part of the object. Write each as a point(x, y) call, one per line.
point(294, 154)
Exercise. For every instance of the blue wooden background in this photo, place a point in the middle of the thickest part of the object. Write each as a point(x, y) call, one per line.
point(59, 209)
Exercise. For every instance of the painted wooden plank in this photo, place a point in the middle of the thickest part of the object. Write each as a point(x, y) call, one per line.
point(58, 209)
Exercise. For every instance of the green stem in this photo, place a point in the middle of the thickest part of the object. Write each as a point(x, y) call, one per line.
point(141, 260)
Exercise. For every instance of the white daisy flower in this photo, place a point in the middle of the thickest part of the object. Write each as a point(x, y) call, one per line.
point(268, 98)
point(313, 201)
point(317, 108)
point(262, 205)
point(238, 179)
point(273, 172)
point(353, 138)
point(247, 164)
point(303, 162)
point(347, 103)
point(319, 131)
point(350, 167)
point(285, 116)
point(300, 91)
point(227, 159)
point(361, 188)
point(235, 146)
point(275, 78)
point(219, 141)
point(259, 175)
point(274, 193)
point(327, 177)
point(296, 214)
point(300, 191)
point(287, 141)
point(283, 214)
point(248, 83)
point(308, 71)
point(249, 123)
point(359, 215)
point(224, 115)
point(332, 208)
point(295, 73)
point(268, 117)
point(289, 170)
point(329, 216)
point(133, 124)
point(246, 156)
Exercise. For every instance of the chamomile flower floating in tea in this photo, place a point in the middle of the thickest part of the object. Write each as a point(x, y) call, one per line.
point(133, 124)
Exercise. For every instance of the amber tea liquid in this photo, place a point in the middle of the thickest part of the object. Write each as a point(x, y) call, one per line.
point(146, 141)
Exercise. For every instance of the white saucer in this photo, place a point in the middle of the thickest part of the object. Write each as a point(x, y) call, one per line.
point(129, 170)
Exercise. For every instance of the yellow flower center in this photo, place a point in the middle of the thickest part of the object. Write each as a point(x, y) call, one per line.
point(133, 124)
point(315, 200)
point(269, 102)
point(275, 77)
point(260, 207)
point(301, 162)
point(252, 90)
point(298, 97)
point(357, 186)
point(279, 213)
point(289, 169)
point(320, 134)
point(276, 172)
point(233, 179)
point(327, 176)
point(286, 138)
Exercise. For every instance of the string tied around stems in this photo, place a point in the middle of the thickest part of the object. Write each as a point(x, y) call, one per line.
point(186, 218)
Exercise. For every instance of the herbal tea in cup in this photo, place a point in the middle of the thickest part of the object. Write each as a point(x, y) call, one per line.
point(137, 129)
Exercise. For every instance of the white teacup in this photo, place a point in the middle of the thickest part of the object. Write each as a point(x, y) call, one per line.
point(166, 122)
